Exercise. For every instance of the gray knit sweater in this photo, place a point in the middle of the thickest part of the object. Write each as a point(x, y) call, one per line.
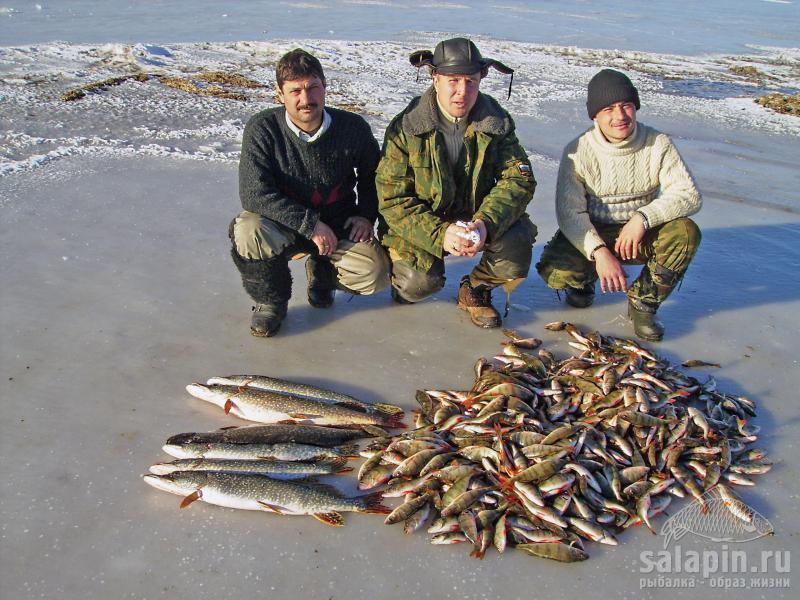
point(601, 182)
point(297, 183)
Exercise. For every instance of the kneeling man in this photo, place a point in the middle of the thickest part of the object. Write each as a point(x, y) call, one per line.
point(307, 186)
point(623, 196)
point(454, 179)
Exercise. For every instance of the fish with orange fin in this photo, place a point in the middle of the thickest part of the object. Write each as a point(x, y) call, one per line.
point(258, 492)
point(304, 390)
point(263, 406)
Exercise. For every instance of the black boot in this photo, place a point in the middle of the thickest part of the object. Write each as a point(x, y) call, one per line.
point(654, 284)
point(645, 325)
point(581, 297)
point(269, 283)
point(321, 276)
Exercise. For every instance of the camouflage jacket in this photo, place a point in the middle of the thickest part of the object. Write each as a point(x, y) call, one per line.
point(416, 187)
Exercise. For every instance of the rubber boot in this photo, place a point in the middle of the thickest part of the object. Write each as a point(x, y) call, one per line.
point(269, 283)
point(477, 301)
point(581, 297)
point(654, 285)
point(398, 298)
point(321, 276)
point(645, 325)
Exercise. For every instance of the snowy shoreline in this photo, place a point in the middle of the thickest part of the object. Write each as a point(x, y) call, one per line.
point(149, 119)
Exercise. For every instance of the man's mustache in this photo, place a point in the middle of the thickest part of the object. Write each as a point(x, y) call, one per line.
point(307, 106)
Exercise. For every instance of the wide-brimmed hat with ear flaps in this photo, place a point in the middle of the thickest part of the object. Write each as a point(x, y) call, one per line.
point(458, 56)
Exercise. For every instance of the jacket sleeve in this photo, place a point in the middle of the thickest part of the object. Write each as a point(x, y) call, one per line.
point(406, 215)
point(258, 189)
point(513, 188)
point(678, 195)
point(572, 212)
point(365, 173)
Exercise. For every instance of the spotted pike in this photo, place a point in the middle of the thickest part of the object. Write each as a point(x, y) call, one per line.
point(263, 406)
point(291, 388)
point(285, 452)
point(273, 434)
point(275, 469)
point(258, 492)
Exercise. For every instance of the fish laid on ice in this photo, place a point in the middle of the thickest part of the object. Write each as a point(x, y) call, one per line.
point(286, 452)
point(264, 406)
point(273, 468)
point(541, 454)
point(275, 433)
point(291, 388)
point(259, 492)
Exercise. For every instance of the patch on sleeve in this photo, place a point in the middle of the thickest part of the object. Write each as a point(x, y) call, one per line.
point(524, 169)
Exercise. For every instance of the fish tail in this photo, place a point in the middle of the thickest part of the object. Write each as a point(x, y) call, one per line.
point(337, 464)
point(372, 504)
point(348, 451)
point(395, 421)
point(374, 431)
point(389, 409)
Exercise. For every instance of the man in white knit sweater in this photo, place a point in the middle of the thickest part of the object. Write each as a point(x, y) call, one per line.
point(623, 196)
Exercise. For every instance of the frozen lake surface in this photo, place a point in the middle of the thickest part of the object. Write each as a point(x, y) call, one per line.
point(680, 26)
point(118, 289)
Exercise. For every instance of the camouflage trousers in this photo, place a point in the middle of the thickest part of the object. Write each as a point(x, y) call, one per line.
point(504, 261)
point(361, 267)
point(665, 250)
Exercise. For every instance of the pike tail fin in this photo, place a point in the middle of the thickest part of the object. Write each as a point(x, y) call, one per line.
point(372, 504)
point(395, 421)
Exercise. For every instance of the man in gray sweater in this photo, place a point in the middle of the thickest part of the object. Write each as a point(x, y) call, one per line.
point(623, 195)
point(307, 186)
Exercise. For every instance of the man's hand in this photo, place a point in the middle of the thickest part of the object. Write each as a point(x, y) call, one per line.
point(457, 245)
point(454, 243)
point(627, 244)
point(324, 238)
point(609, 271)
point(480, 227)
point(360, 229)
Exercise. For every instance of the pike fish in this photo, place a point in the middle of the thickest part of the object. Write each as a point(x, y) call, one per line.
point(291, 388)
point(272, 468)
point(285, 452)
point(254, 404)
point(273, 434)
point(257, 492)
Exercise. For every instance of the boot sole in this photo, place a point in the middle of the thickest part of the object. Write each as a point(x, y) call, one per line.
point(641, 336)
point(478, 323)
point(320, 304)
point(263, 334)
point(579, 303)
point(649, 339)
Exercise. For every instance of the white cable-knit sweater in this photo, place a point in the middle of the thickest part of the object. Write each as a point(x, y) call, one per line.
point(601, 182)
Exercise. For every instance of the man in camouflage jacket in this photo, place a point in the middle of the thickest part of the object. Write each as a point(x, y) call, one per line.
point(452, 156)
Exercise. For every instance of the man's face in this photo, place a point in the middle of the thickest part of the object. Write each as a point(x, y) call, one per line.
point(304, 100)
point(457, 93)
point(617, 121)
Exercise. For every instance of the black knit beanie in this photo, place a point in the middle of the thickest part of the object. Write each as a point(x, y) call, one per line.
point(606, 88)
